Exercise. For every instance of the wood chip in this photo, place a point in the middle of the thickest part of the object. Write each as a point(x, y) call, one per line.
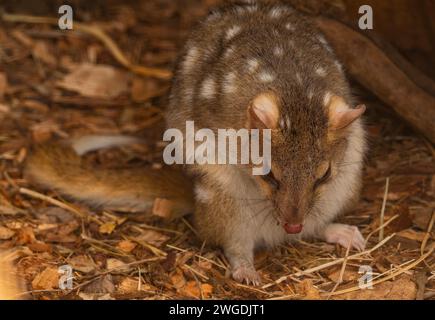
point(46, 280)
point(82, 263)
point(6, 233)
point(95, 81)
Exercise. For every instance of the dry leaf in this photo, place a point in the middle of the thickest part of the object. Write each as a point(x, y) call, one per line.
point(207, 290)
point(63, 233)
point(400, 289)
point(6, 233)
point(193, 289)
point(3, 85)
point(43, 131)
point(9, 210)
point(101, 285)
point(40, 51)
point(95, 81)
point(82, 263)
point(308, 290)
point(128, 285)
point(432, 185)
point(153, 237)
point(87, 296)
point(35, 106)
point(169, 262)
point(178, 279)
point(95, 296)
point(412, 235)
point(46, 280)
point(4, 108)
point(348, 275)
point(113, 263)
point(126, 246)
point(25, 236)
point(163, 208)
point(39, 247)
point(144, 89)
point(204, 264)
point(47, 226)
point(60, 215)
point(107, 228)
point(421, 217)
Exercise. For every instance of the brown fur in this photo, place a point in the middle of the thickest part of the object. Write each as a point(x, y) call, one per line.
point(56, 166)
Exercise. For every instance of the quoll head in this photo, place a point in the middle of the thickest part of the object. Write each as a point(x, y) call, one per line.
point(308, 143)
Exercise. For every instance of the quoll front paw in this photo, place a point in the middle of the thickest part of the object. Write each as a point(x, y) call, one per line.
point(246, 274)
point(344, 234)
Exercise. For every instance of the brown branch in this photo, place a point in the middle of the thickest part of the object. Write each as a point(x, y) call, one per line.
point(374, 70)
point(99, 34)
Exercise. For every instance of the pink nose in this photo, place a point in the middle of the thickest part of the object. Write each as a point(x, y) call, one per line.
point(293, 228)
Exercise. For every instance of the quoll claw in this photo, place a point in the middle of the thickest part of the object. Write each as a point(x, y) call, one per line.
point(344, 235)
point(246, 275)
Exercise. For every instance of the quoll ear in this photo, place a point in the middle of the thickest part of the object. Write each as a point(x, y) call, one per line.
point(340, 114)
point(263, 113)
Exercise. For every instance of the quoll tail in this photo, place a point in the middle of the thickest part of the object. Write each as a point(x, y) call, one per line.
point(59, 167)
point(11, 285)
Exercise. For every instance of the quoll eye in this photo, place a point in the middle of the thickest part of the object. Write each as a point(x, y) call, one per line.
point(271, 180)
point(324, 178)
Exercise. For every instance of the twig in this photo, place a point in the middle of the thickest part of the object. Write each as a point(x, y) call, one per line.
point(428, 232)
point(329, 264)
point(384, 203)
point(100, 35)
point(198, 256)
point(58, 203)
point(343, 268)
point(420, 280)
point(241, 285)
point(195, 271)
point(392, 275)
point(381, 226)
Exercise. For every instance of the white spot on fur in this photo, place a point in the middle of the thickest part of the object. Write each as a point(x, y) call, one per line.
point(287, 122)
point(281, 123)
point(188, 95)
point(213, 16)
point(322, 39)
point(339, 66)
point(228, 52)
point(298, 78)
point(276, 12)
point(321, 71)
point(289, 26)
point(327, 98)
point(253, 65)
point(229, 85)
point(232, 32)
point(208, 88)
point(265, 76)
point(202, 194)
point(310, 94)
point(252, 8)
point(278, 51)
point(190, 59)
point(275, 33)
point(324, 43)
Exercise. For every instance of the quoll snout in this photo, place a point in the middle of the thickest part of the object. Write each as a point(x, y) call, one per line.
point(292, 220)
point(293, 228)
